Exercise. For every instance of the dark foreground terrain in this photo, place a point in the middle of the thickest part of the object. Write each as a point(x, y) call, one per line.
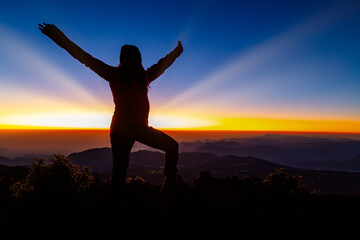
point(57, 200)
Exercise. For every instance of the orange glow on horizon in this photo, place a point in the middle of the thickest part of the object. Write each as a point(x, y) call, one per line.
point(236, 124)
point(292, 125)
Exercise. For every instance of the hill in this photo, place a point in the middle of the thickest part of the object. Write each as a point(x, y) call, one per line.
point(295, 151)
point(149, 165)
point(24, 160)
point(231, 208)
point(5, 160)
point(305, 152)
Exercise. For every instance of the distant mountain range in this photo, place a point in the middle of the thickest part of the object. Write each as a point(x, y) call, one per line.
point(312, 153)
point(241, 157)
point(295, 151)
point(149, 165)
point(25, 160)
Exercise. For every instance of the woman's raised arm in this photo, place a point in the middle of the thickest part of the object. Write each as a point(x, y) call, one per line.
point(103, 70)
point(159, 68)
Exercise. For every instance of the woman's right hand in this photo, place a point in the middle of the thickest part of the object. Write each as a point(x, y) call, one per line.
point(50, 30)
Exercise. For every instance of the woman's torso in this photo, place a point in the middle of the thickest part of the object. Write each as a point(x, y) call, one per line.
point(131, 100)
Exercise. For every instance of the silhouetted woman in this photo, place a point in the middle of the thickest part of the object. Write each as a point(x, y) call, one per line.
point(129, 83)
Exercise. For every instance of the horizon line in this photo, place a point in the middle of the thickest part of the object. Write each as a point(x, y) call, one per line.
point(179, 130)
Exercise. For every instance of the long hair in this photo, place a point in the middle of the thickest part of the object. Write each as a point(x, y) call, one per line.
point(132, 52)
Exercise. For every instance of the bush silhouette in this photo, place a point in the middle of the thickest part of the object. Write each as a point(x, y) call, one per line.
point(55, 176)
point(281, 182)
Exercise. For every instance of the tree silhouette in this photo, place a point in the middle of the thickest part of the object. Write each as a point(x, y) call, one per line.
point(55, 176)
point(281, 182)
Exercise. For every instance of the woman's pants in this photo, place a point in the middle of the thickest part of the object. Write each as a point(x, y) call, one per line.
point(122, 142)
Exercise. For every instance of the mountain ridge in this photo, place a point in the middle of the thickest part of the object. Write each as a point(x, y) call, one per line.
point(149, 165)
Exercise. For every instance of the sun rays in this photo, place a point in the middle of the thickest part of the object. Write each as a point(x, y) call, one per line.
point(24, 105)
point(241, 94)
point(232, 97)
point(235, 73)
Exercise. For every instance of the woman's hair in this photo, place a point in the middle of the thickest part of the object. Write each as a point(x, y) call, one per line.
point(132, 52)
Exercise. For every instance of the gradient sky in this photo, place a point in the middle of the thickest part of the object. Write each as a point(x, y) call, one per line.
point(246, 65)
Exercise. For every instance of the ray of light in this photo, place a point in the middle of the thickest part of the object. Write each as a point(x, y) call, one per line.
point(77, 119)
point(18, 100)
point(25, 106)
point(15, 48)
point(206, 120)
point(235, 71)
point(31, 109)
point(180, 121)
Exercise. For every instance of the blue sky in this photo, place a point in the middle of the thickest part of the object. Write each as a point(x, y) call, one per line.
point(242, 59)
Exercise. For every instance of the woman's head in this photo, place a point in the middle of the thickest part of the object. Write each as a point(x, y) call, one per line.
point(130, 56)
point(130, 62)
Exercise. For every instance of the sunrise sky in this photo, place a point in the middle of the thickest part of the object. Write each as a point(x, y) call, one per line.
point(246, 65)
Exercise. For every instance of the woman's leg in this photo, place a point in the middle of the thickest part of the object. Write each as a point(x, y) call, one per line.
point(157, 139)
point(121, 145)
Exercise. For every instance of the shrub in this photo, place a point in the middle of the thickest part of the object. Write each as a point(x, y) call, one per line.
point(135, 180)
point(55, 176)
point(281, 182)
